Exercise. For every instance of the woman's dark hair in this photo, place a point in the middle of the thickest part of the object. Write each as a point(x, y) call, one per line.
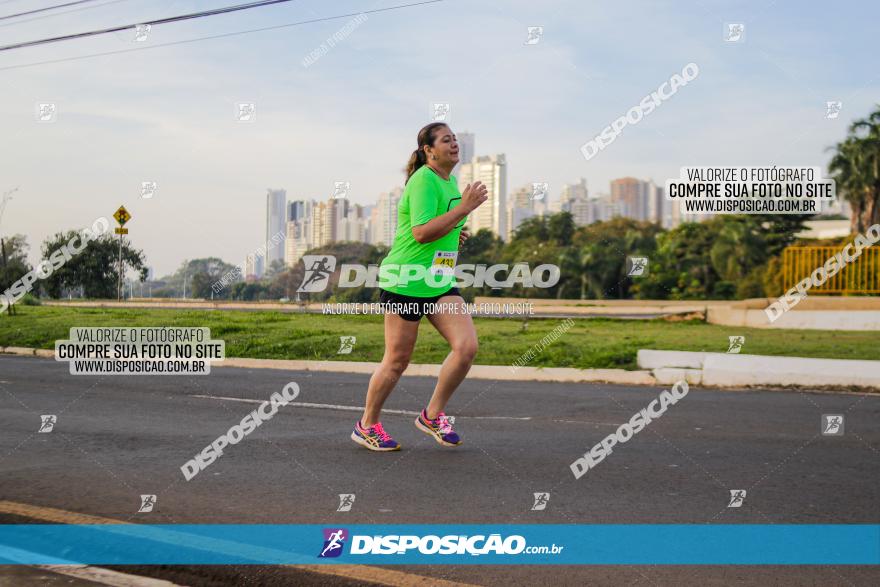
point(418, 157)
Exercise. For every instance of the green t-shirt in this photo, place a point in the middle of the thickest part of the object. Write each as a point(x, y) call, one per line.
point(425, 197)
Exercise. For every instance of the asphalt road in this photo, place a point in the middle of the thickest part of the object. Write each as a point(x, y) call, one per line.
point(121, 436)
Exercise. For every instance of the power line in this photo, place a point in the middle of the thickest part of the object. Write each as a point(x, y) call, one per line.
point(220, 36)
point(8, 16)
point(170, 19)
point(62, 13)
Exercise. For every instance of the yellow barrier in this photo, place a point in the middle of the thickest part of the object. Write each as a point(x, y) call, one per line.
point(861, 276)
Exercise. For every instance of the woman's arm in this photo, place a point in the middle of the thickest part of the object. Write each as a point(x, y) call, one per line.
point(471, 198)
point(439, 226)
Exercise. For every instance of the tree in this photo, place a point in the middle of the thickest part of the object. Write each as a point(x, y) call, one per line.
point(275, 267)
point(201, 275)
point(560, 228)
point(855, 166)
point(249, 291)
point(604, 247)
point(95, 269)
point(201, 285)
point(16, 249)
point(13, 263)
point(682, 267)
point(534, 227)
point(480, 247)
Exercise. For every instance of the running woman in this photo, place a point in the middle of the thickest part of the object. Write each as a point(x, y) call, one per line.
point(430, 217)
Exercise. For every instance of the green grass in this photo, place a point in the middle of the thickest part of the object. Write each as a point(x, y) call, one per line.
point(589, 343)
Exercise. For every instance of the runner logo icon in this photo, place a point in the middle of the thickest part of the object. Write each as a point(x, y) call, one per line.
point(737, 497)
point(832, 424)
point(147, 503)
point(736, 343)
point(346, 500)
point(334, 541)
point(47, 423)
point(541, 500)
point(318, 270)
point(638, 266)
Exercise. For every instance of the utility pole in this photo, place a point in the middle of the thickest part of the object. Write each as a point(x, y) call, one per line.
point(119, 284)
point(122, 216)
point(3, 253)
point(6, 197)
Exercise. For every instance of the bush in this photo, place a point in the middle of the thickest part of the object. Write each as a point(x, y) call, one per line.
point(30, 300)
point(773, 284)
point(752, 285)
point(724, 290)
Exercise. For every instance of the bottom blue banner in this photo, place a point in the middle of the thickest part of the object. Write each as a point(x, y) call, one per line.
point(529, 544)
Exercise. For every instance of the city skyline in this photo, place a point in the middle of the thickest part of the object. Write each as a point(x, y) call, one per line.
point(167, 115)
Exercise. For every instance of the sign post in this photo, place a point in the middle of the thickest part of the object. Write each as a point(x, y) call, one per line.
point(122, 216)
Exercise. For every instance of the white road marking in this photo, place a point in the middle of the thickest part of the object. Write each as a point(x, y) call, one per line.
point(351, 408)
point(86, 572)
point(615, 425)
point(106, 576)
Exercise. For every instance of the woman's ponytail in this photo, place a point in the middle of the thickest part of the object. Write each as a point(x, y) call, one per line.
point(416, 160)
point(419, 157)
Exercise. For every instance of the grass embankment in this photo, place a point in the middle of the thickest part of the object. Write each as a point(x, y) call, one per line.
point(589, 343)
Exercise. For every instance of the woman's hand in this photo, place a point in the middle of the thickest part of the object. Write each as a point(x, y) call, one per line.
point(463, 236)
point(474, 195)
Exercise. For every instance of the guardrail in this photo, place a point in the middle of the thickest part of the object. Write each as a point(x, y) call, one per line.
point(861, 276)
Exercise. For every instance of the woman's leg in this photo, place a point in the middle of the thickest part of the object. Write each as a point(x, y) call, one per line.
point(458, 329)
point(400, 339)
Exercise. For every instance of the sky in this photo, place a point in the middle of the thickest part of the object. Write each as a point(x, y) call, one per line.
point(168, 113)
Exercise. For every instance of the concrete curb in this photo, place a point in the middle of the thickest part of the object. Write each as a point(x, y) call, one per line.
point(499, 372)
point(737, 370)
point(798, 319)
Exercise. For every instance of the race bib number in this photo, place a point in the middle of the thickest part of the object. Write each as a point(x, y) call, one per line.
point(444, 262)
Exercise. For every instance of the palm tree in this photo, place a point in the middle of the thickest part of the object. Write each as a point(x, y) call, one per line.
point(855, 166)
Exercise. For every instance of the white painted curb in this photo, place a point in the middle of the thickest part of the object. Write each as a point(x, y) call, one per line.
point(648, 359)
point(737, 370)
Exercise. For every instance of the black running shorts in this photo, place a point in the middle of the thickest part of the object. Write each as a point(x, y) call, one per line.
point(410, 308)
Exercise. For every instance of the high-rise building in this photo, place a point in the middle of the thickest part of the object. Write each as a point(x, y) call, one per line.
point(466, 152)
point(643, 201)
point(299, 232)
point(492, 171)
point(631, 196)
point(574, 199)
point(653, 202)
point(276, 221)
point(521, 207)
point(352, 227)
point(605, 208)
point(572, 192)
point(327, 218)
point(583, 211)
point(296, 210)
point(384, 218)
point(322, 226)
point(254, 267)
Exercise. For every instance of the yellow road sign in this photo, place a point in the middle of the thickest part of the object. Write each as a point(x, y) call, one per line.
point(119, 230)
point(122, 216)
